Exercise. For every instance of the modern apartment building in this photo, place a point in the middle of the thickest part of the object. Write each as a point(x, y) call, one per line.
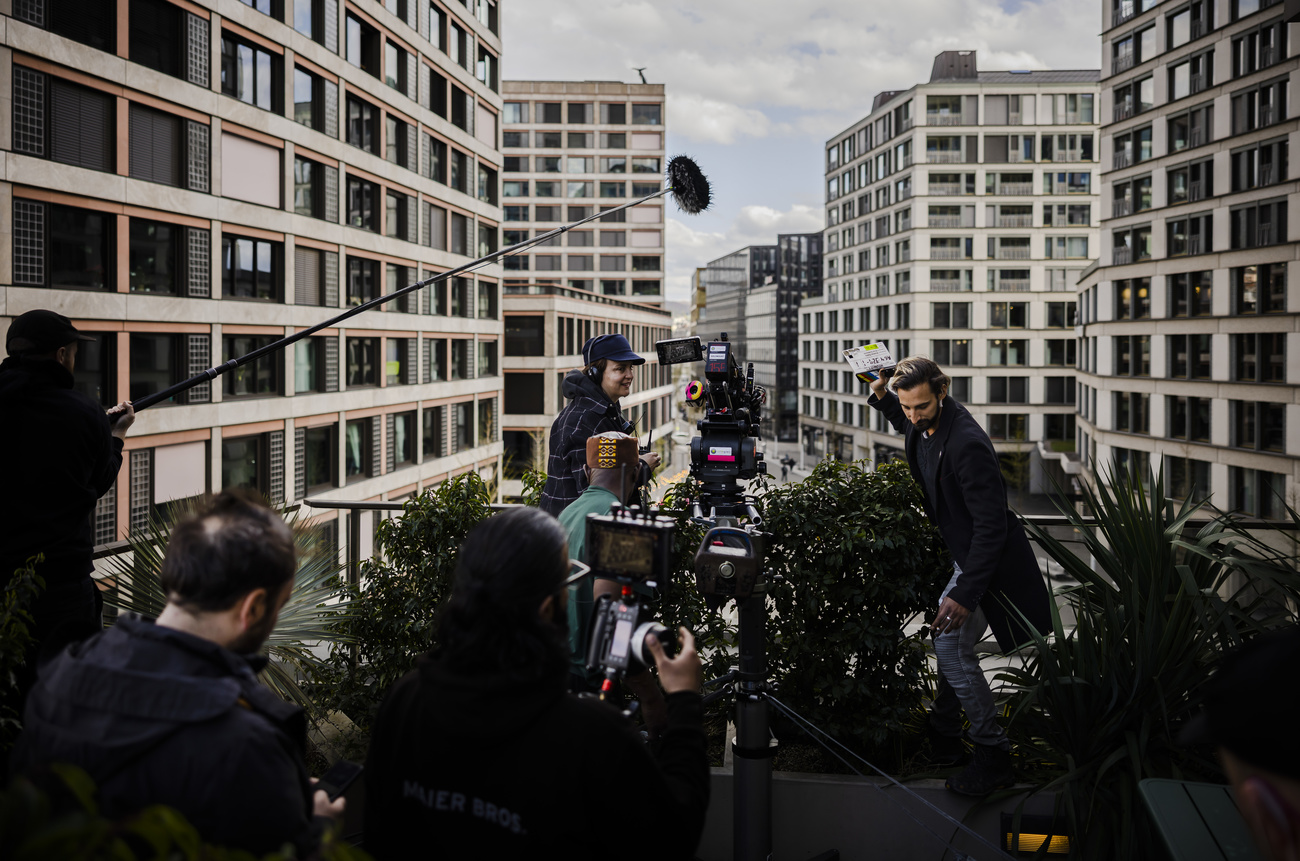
point(191, 180)
point(1189, 357)
point(959, 214)
point(573, 149)
point(799, 274)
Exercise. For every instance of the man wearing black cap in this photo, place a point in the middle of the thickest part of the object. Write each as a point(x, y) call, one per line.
point(62, 452)
point(593, 394)
point(1250, 713)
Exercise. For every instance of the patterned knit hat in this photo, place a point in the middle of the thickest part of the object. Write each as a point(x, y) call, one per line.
point(611, 450)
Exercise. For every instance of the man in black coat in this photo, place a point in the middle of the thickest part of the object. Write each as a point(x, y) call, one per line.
point(171, 712)
point(995, 577)
point(62, 455)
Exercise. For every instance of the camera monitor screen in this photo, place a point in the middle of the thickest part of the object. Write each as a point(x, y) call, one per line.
point(679, 350)
point(624, 552)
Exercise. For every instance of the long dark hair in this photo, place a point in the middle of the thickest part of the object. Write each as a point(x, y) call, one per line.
point(508, 566)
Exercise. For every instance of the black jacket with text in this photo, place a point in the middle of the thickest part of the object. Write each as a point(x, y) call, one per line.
point(158, 716)
point(981, 531)
point(485, 767)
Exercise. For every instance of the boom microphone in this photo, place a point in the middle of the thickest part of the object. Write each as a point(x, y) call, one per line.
point(688, 186)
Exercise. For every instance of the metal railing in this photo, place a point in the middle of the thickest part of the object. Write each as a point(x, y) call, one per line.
point(1013, 285)
point(1123, 158)
point(948, 254)
point(1122, 62)
point(905, 125)
point(1121, 207)
point(1196, 190)
point(1013, 253)
point(938, 119)
point(1120, 15)
point(947, 285)
point(1015, 188)
point(1013, 119)
point(1015, 157)
point(904, 256)
point(1198, 83)
point(907, 161)
point(1015, 221)
point(1122, 111)
point(944, 157)
point(1195, 243)
point(945, 188)
point(945, 221)
point(1122, 255)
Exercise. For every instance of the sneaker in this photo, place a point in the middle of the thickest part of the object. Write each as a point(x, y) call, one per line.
point(945, 750)
point(990, 770)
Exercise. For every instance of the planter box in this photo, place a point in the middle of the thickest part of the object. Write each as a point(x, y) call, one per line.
point(860, 817)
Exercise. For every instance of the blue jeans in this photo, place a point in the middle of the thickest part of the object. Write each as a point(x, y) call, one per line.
point(962, 685)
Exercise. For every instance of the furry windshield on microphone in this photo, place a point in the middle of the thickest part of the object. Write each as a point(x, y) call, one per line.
point(690, 187)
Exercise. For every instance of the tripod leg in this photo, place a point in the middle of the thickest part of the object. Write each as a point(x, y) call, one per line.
point(753, 744)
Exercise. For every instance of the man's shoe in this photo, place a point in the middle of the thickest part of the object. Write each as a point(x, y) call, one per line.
point(945, 751)
point(991, 770)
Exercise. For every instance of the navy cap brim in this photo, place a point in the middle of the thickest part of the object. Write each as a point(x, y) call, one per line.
point(630, 358)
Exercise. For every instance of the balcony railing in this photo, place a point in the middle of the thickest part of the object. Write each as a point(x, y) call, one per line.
point(1013, 285)
point(1196, 190)
point(1015, 157)
point(1122, 111)
point(1011, 253)
point(1121, 207)
point(1123, 158)
point(905, 256)
point(1198, 83)
point(1196, 137)
point(1120, 15)
point(1266, 234)
point(1015, 221)
point(938, 119)
point(1195, 244)
point(1267, 174)
point(905, 125)
point(948, 254)
point(1072, 118)
point(945, 221)
point(944, 157)
point(1122, 255)
point(1013, 119)
point(904, 287)
point(1122, 62)
point(947, 285)
point(1267, 56)
point(905, 194)
point(905, 224)
point(1015, 188)
point(945, 188)
point(907, 161)
point(1198, 28)
point(1267, 115)
point(1067, 155)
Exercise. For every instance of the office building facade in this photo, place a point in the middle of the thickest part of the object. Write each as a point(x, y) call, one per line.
point(1188, 356)
point(959, 215)
point(190, 181)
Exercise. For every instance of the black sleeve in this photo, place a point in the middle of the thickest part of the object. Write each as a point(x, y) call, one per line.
point(979, 475)
point(106, 453)
point(889, 406)
point(681, 769)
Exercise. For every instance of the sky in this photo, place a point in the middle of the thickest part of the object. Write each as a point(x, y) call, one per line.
point(755, 88)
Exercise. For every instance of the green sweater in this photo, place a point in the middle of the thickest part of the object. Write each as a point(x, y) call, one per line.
point(594, 500)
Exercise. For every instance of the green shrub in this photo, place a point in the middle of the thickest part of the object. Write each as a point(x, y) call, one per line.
point(1099, 707)
point(66, 823)
point(858, 559)
point(402, 588)
point(15, 637)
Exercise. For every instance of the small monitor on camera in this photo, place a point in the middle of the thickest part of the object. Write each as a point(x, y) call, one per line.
point(679, 350)
point(630, 549)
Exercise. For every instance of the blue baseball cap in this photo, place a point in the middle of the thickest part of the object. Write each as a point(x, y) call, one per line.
point(612, 347)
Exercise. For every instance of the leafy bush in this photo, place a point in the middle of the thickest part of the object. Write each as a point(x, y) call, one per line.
point(396, 607)
point(1100, 707)
point(66, 823)
point(858, 560)
point(15, 637)
point(307, 616)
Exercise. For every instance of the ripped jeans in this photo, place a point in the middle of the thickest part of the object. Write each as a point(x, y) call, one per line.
point(962, 684)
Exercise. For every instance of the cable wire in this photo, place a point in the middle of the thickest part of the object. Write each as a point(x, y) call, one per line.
point(815, 731)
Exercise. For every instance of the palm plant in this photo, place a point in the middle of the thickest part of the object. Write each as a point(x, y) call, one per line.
point(316, 603)
point(1101, 705)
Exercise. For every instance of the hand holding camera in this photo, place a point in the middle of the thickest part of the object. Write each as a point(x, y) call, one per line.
point(684, 672)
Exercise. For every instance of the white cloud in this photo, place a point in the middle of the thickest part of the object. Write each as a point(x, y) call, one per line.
point(705, 120)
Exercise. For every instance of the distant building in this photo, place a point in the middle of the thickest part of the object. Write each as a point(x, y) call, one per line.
point(1189, 357)
point(959, 215)
point(799, 274)
point(573, 149)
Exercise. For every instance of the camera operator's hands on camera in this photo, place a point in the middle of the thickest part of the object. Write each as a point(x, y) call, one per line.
point(651, 459)
point(322, 806)
point(682, 673)
point(950, 618)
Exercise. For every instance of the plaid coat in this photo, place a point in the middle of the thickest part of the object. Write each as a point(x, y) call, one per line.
point(589, 412)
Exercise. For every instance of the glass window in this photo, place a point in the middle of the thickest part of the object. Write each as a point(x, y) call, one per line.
point(363, 359)
point(250, 268)
point(260, 377)
point(154, 256)
point(248, 72)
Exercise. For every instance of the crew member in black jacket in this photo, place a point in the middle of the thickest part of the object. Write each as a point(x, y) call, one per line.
point(995, 576)
point(61, 456)
point(594, 395)
point(480, 751)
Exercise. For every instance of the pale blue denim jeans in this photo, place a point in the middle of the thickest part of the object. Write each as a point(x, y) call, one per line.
point(962, 685)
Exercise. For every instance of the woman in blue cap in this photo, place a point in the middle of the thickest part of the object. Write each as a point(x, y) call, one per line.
point(593, 395)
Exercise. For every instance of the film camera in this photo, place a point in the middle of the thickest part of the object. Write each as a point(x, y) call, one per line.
point(726, 449)
point(634, 550)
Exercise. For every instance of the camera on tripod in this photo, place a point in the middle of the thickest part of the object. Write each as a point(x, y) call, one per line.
point(726, 449)
point(634, 550)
